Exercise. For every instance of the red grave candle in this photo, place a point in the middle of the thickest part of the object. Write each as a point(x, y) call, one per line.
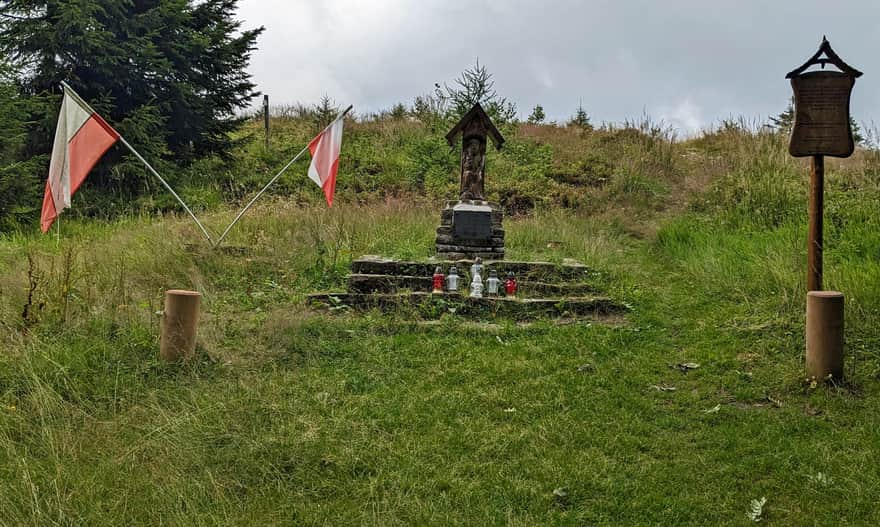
point(438, 280)
point(510, 285)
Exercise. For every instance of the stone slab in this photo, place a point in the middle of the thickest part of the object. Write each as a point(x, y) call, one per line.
point(383, 283)
point(377, 283)
point(495, 215)
point(488, 248)
point(471, 223)
point(447, 239)
point(540, 271)
point(438, 305)
point(446, 230)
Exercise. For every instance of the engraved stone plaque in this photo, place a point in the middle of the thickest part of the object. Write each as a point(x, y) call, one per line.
point(472, 222)
point(821, 123)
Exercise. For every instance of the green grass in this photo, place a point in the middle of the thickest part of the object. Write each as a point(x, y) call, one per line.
point(297, 417)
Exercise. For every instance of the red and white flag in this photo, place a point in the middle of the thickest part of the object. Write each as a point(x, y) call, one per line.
point(81, 138)
point(325, 158)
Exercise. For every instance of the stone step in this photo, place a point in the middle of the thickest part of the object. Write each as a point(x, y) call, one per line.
point(436, 305)
point(537, 271)
point(487, 248)
point(469, 256)
point(496, 216)
point(381, 283)
point(446, 230)
point(452, 202)
point(448, 239)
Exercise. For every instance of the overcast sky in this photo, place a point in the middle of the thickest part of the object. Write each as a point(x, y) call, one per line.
point(689, 63)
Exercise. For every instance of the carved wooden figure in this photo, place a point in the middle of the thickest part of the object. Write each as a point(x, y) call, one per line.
point(475, 128)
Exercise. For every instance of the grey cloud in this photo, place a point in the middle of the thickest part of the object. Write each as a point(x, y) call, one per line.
point(685, 61)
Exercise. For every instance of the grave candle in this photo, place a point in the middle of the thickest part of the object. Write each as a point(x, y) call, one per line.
point(510, 285)
point(492, 283)
point(477, 267)
point(438, 280)
point(477, 285)
point(452, 280)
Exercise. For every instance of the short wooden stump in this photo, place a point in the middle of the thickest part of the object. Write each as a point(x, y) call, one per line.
point(179, 323)
point(825, 334)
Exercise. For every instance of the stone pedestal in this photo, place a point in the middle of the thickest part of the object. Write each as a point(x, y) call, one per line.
point(469, 229)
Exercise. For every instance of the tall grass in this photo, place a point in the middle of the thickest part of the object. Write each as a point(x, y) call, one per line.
point(292, 416)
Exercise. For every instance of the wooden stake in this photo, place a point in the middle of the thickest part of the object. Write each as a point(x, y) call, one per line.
point(179, 324)
point(266, 118)
point(824, 334)
point(814, 242)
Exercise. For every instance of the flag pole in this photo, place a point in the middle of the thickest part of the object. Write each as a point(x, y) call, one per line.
point(167, 186)
point(144, 161)
point(274, 179)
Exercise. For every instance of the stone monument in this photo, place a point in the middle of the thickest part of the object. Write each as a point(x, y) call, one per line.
point(471, 227)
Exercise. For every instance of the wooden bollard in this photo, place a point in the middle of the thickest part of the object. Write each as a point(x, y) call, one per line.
point(179, 323)
point(824, 334)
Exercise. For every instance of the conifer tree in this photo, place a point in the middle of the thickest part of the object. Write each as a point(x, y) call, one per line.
point(537, 116)
point(475, 85)
point(785, 120)
point(168, 74)
point(581, 119)
point(20, 177)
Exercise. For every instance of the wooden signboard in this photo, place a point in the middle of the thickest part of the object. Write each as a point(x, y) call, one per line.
point(821, 128)
point(821, 120)
point(821, 106)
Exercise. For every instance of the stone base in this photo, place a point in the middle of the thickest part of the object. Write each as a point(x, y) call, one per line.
point(470, 229)
point(486, 307)
point(396, 283)
point(545, 289)
point(536, 271)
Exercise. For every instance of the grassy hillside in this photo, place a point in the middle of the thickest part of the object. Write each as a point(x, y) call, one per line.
point(298, 417)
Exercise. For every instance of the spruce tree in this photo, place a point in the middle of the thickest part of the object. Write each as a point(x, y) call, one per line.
point(21, 178)
point(537, 116)
point(475, 85)
point(168, 74)
point(785, 121)
point(581, 119)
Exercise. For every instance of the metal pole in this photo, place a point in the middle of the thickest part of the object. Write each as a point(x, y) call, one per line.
point(144, 161)
point(274, 179)
point(266, 118)
point(814, 242)
point(167, 186)
point(260, 193)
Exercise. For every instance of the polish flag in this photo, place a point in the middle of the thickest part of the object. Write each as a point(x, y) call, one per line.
point(325, 159)
point(81, 138)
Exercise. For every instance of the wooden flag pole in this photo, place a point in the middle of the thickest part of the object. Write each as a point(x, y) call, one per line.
point(266, 118)
point(814, 248)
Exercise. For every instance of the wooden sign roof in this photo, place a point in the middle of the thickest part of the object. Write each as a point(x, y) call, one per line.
point(830, 58)
point(483, 123)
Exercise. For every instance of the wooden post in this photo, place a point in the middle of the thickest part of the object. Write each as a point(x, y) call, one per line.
point(266, 118)
point(179, 324)
point(824, 334)
point(814, 242)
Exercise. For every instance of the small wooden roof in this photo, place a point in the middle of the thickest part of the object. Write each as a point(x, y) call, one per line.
point(830, 58)
point(475, 113)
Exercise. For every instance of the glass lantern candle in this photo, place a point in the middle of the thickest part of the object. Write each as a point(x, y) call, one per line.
point(437, 280)
point(492, 283)
point(477, 267)
point(452, 280)
point(477, 285)
point(510, 285)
